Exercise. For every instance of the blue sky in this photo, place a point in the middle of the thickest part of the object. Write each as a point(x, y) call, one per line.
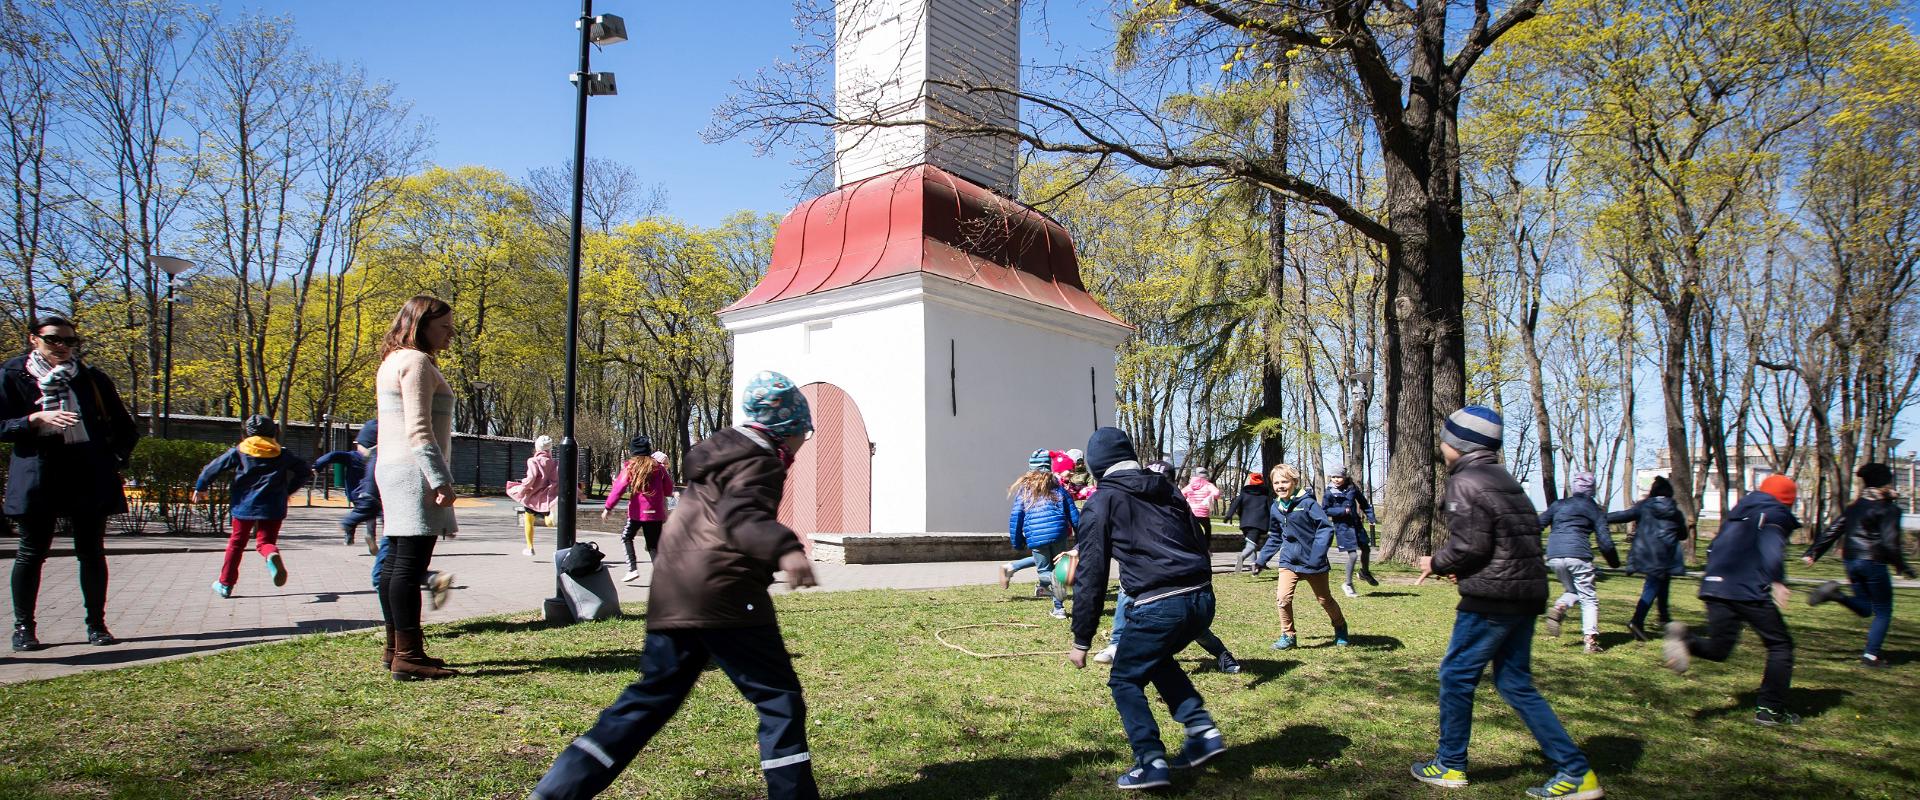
point(491, 77)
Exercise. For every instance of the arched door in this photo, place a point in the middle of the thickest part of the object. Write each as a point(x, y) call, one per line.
point(830, 488)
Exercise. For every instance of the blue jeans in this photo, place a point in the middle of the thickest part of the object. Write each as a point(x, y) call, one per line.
point(1652, 593)
point(1043, 558)
point(1507, 642)
point(1204, 638)
point(755, 659)
point(1155, 632)
point(1872, 596)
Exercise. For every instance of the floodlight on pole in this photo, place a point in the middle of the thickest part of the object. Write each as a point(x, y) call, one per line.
point(604, 29)
point(173, 266)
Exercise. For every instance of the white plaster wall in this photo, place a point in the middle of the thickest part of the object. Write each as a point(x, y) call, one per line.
point(877, 356)
point(1020, 387)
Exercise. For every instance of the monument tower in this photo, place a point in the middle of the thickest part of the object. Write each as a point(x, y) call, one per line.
point(938, 326)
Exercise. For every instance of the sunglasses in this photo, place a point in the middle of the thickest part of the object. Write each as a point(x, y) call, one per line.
point(62, 341)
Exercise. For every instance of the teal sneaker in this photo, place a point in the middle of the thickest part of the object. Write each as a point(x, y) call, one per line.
point(278, 569)
point(1433, 773)
point(1340, 638)
point(1285, 643)
point(1571, 787)
point(222, 589)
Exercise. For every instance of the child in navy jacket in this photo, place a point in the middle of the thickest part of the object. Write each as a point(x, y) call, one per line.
point(264, 475)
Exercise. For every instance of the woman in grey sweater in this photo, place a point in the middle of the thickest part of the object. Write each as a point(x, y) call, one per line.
point(416, 484)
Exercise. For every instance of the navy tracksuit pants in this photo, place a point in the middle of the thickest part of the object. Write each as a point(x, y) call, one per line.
point(755, 659)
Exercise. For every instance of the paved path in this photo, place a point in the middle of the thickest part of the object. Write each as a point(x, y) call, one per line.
point(160, 605)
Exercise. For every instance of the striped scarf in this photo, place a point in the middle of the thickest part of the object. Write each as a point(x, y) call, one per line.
point(56, 391)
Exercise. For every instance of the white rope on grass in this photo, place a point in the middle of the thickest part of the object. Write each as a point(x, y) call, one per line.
point(940, 636)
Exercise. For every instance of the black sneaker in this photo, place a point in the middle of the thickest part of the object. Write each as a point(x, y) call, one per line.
point(1825, 592)
point(24, 641)
point(1770, 717)
point(1873, 662)
point(348, 531)
point(1639, 631)
point(100, 637)
point(1227, 663)
point(1367, 575)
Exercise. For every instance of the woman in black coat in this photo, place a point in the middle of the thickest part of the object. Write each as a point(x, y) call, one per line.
point(71, 436)
point(1659, 533)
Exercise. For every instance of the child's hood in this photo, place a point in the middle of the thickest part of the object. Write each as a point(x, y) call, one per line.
point(259, 447)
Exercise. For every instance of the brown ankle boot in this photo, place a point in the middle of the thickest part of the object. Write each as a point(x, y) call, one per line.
point(386, 655)
point(410, 663)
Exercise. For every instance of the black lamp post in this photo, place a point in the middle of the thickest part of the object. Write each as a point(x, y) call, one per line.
point(601, 30)
point(173, 267)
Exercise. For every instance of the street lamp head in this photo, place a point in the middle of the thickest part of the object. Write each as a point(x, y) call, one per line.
point(598, 83)
point(607, 29)
point(172, 265)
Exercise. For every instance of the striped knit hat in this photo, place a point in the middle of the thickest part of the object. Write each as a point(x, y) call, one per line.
point(1472, 428)
point(1040, 459)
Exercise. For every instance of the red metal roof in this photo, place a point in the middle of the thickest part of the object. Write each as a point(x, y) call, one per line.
point(924, 219)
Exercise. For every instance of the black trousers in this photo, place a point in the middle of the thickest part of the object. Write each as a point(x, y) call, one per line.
point(649, 533)
point(89, 546)
point(1725, 618)
point(755, 659)
point(400, 578)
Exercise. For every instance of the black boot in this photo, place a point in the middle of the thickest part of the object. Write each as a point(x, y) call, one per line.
point(99, 636)
point(23, 639)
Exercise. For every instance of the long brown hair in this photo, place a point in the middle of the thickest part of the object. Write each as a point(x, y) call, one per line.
point(1033, 487)
point(639, 472)
point(406, 334)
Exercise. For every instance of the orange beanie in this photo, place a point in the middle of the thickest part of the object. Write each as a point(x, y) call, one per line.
point(1781, 487)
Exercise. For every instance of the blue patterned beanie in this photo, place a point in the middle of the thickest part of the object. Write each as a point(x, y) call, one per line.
point(1040, 459)
point(773, 402)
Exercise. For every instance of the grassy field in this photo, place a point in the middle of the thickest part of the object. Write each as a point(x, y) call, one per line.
point(896, 715)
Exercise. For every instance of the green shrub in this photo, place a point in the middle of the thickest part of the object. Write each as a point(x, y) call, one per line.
point(160, 479)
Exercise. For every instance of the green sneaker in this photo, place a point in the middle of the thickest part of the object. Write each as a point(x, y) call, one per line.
point(1432, 773)
point(1571, 787)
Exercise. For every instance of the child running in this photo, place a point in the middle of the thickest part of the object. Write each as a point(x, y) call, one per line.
point(1304, 533)
point(353, 472)
point(1041, 521)
point(1346, 504)
point(644, 484)
point(1572, 519)
point(1492, 550)
point(1254, 508)
point(1166, 570)
point(1745, 585)
point(536, 492)
point(264, 475)
point(709, 602)
point(1871, 532)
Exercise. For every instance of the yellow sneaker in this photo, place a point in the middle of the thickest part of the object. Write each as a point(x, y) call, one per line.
point(1433, 773)
point(1571, 787)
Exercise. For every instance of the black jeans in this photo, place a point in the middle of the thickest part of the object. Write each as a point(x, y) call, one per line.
point(89, 546)
point(400, 578)
point(649, 533)
point(757, 661)
point(1724, 620)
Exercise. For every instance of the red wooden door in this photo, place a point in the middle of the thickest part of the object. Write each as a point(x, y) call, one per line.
point(830, 488)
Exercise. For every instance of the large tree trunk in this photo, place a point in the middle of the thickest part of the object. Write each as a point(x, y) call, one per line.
point(1673, 385)
point(1273, 447)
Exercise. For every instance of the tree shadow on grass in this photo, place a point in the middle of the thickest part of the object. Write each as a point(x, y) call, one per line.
point(998, 778)
point(600, 662)
point(1265, 670)
point(1613, 755)
point(1294, 747)
point(482, 626)
point(1613, 639)
point(1808, 703)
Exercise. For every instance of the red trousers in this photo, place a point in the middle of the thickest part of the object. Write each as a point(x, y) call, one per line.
point(267, 531)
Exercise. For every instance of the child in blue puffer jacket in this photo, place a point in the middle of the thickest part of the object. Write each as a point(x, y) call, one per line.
point(264, 475)
point(1041, 521)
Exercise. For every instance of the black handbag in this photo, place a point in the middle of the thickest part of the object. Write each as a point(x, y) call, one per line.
point(583, 558)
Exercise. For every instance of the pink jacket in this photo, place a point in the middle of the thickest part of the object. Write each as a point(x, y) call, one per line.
point(1200, 496)
point(540, 488)
point(650, 504)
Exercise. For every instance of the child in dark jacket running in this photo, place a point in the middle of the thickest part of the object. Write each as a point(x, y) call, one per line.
point(1871, 531)
point(1041, 521)
point(1572, 520)
point(264, 475)
point(353, 470)
point(1745, 585)
point(1492, 550)
point(1346, 505)
point(709, 602)
point(1659, 534)
point(1166, 569)
point(1254, 508)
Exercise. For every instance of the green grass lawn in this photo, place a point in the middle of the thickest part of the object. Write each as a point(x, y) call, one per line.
point(896, 715)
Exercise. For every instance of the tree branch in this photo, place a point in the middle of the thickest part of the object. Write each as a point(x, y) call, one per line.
point(1485, 33)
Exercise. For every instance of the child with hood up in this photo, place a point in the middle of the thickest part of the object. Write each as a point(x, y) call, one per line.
point(1200, 494)
point(265, 474)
